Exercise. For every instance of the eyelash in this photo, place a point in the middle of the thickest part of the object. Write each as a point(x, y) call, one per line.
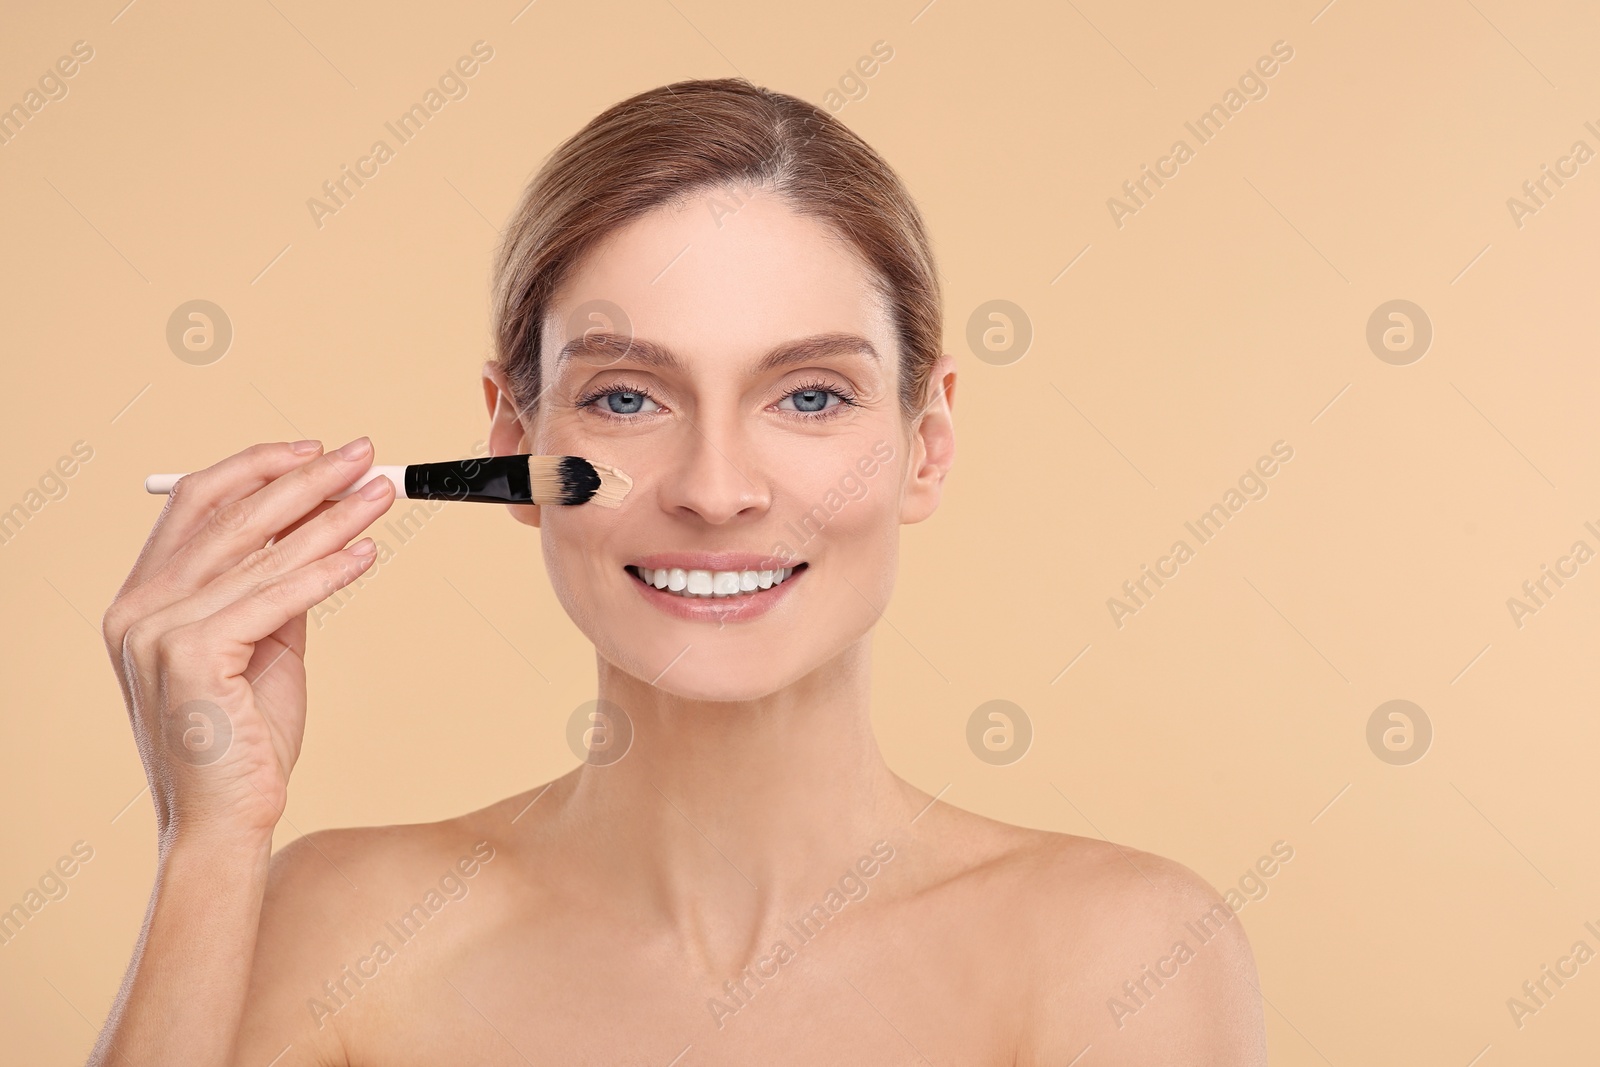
point(846, 399)
point(588, 399)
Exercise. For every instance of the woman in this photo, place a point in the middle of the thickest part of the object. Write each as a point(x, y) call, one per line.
point(726, 294)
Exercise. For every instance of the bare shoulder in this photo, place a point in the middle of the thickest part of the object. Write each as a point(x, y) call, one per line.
point(1132, 952)
point(1149, 961)
point(343, 906)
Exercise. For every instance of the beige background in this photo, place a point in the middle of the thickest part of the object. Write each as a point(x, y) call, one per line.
point(1228, 314)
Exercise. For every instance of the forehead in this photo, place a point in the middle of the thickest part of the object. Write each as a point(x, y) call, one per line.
point(723, 276)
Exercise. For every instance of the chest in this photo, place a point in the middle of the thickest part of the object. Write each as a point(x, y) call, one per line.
point(881, 990)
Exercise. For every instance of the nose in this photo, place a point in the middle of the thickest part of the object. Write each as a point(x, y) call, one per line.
point(708, 479)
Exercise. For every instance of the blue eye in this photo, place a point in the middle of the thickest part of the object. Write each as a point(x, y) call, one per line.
point(624, 402)
point(812, 399)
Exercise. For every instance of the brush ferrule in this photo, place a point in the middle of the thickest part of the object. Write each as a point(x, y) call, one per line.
point(493, 480)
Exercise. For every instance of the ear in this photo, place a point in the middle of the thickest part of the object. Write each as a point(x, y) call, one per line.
point(507, 434)
point(933, 445)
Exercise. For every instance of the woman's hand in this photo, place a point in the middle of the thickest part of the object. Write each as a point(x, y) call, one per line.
point(208, 632)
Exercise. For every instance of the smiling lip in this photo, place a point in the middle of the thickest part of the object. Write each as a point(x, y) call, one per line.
point(738, 607)
point(713, 561)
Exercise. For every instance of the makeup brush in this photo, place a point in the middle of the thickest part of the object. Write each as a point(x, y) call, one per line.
point(520, 479)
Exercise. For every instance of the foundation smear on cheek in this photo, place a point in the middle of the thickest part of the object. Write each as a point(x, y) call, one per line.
point(614, 486)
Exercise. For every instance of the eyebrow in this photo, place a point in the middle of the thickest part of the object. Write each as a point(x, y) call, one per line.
point(612, 347)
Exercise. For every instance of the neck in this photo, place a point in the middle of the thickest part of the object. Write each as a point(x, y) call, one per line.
point(751, 809)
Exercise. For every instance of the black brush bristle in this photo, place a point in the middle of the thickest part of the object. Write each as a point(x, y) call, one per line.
point(565, 480)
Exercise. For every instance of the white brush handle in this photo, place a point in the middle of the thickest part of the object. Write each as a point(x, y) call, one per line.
point(163, 483)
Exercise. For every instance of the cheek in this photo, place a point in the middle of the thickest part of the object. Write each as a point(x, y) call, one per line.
point(853, 565)
point(846, 523)
point(579, 547)
point(825, 485)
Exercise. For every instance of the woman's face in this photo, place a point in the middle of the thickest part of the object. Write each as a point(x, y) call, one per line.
point(732, 357)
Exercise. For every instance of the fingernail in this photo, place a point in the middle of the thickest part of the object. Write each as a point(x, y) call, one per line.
point(355, 449)
point(363, 547)
point(305, 448)
point(374, 489)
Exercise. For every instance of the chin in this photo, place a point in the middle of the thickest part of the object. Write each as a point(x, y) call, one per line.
point(722, 682)
point(711, 665)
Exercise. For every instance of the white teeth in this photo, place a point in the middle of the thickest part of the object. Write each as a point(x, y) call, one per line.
point(703, 583)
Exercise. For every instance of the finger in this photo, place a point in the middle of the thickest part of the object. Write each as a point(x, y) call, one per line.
point(225, 641)
point(290, 637)
point(191, 504)
point(293, 526)
point(243, 526)
point(320, 536)
point(197, 496)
